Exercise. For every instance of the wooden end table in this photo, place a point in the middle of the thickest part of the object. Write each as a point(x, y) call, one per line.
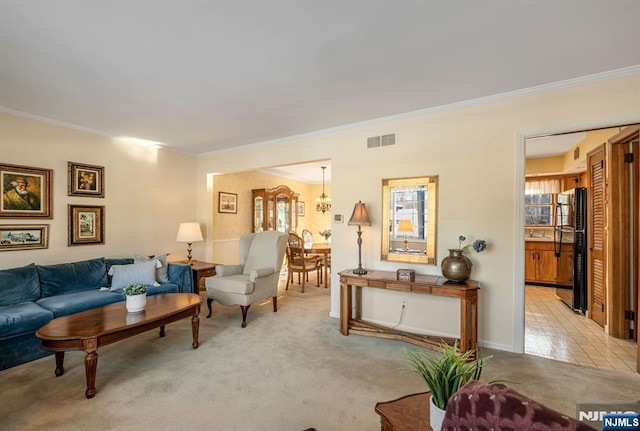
point(201, 270)
point(91, 329)
point(408, 413)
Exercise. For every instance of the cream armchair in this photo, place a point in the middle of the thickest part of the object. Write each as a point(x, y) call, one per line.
point(255, 278)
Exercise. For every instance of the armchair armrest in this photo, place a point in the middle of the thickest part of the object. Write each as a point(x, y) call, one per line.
point(259, 273)
point(226, 270)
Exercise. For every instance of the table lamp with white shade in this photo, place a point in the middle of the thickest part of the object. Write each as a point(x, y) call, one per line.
point(359, 217)
point(405, 227)
point(189, 232)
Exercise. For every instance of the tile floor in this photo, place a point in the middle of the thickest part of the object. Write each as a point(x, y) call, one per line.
point(554, 331)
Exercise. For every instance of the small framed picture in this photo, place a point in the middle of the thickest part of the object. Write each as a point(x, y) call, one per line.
point(300, 209)
point(85, 180)
point(227, 203)
point(26, 192)
point(24, 237)
point(86, 225)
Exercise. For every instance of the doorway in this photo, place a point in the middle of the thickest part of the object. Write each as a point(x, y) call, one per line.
point(553, 329)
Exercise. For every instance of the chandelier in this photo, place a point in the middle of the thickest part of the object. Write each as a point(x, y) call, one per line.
point(323, 203)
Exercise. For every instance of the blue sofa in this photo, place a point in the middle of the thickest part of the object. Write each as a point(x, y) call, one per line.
point(32, 295)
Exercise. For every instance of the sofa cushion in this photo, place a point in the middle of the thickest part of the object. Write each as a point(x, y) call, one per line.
point(163, 288)
point(22, 318)
point(66, 278)
point(162, 275)
point(122, 275)
point(239, 284)
point(62, 305)
point(19, 285)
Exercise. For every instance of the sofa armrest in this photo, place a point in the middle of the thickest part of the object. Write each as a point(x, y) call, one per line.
point(226, 270)
point(182, 275)
point(496, 406)
point(259, 273)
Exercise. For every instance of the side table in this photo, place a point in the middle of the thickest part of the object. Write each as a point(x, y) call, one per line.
point(408, 413)
point(201, 270)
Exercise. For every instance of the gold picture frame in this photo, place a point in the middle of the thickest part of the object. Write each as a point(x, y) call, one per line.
point(227, 203)
point(24, 237)
point(85, 180)
point(26, 192)
point(86, 225)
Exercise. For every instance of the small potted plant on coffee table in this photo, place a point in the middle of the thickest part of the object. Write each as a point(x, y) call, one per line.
point(136, 294)
point(444, 374)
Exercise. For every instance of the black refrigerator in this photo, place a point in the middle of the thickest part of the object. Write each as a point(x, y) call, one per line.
point(570, 219)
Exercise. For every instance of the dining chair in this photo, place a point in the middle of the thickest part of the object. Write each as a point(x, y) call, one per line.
point(298, 262)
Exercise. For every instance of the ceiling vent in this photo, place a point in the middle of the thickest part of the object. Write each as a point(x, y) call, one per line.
point(384, 141)
point(373, 142)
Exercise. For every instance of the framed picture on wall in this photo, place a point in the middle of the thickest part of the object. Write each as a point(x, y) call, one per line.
point(26, 192)
point(86, 225)
point(227, 203)
point(24, 237)
point(300, 209)
point(85, 180)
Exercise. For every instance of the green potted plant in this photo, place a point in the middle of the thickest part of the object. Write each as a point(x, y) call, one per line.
point(136, 294)
point(444, 374)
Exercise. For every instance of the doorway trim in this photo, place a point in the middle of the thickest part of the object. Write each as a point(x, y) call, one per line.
point(521, 136)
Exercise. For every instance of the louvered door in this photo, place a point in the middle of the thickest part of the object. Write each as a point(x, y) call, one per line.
point(597, 237)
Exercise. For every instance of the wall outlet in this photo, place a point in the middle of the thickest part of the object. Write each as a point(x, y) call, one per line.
point(404, 303)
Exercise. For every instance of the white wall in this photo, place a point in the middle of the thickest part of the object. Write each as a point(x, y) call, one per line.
point(148, 192)
point(477, 152)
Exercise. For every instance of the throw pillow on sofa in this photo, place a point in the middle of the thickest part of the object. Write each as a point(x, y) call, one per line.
point(134, 273)
point(162, 273)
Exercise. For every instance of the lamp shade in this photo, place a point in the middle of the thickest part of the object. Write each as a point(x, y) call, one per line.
point(189, 232)
point(405, 226)
point(360, 216)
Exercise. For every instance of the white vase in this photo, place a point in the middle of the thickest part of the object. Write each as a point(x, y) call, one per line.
point(136, 303)
point(436, 415)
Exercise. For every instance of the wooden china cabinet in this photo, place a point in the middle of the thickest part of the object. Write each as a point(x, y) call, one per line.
point(275, 209)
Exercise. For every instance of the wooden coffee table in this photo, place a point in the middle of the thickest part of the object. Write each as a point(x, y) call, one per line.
point(91, 329)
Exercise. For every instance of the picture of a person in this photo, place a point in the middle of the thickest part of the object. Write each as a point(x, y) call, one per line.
point(17, 195)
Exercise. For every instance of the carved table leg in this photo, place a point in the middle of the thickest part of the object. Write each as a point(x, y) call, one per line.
point(162, 331)
point(195, 327)
point(59, 364)
point(90, 365)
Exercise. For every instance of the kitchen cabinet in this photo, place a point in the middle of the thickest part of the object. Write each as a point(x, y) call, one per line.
point(542, 266)
point(565, 266)
point(275, 209)
point(540, 262)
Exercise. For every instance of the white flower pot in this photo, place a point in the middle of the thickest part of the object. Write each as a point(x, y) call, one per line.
point(436, 415)
point(136, 303)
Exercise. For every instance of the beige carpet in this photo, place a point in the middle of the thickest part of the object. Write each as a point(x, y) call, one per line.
point(288, 370)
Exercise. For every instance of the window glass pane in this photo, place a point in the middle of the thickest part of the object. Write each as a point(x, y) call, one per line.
point(545, 199)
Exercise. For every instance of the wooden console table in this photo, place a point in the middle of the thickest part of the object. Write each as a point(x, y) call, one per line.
point(424, 284)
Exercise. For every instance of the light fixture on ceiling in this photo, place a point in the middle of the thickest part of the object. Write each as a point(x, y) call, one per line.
point(141, 142)
point(323, 203)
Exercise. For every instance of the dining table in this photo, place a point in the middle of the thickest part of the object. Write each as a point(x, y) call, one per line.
point(323, 249)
